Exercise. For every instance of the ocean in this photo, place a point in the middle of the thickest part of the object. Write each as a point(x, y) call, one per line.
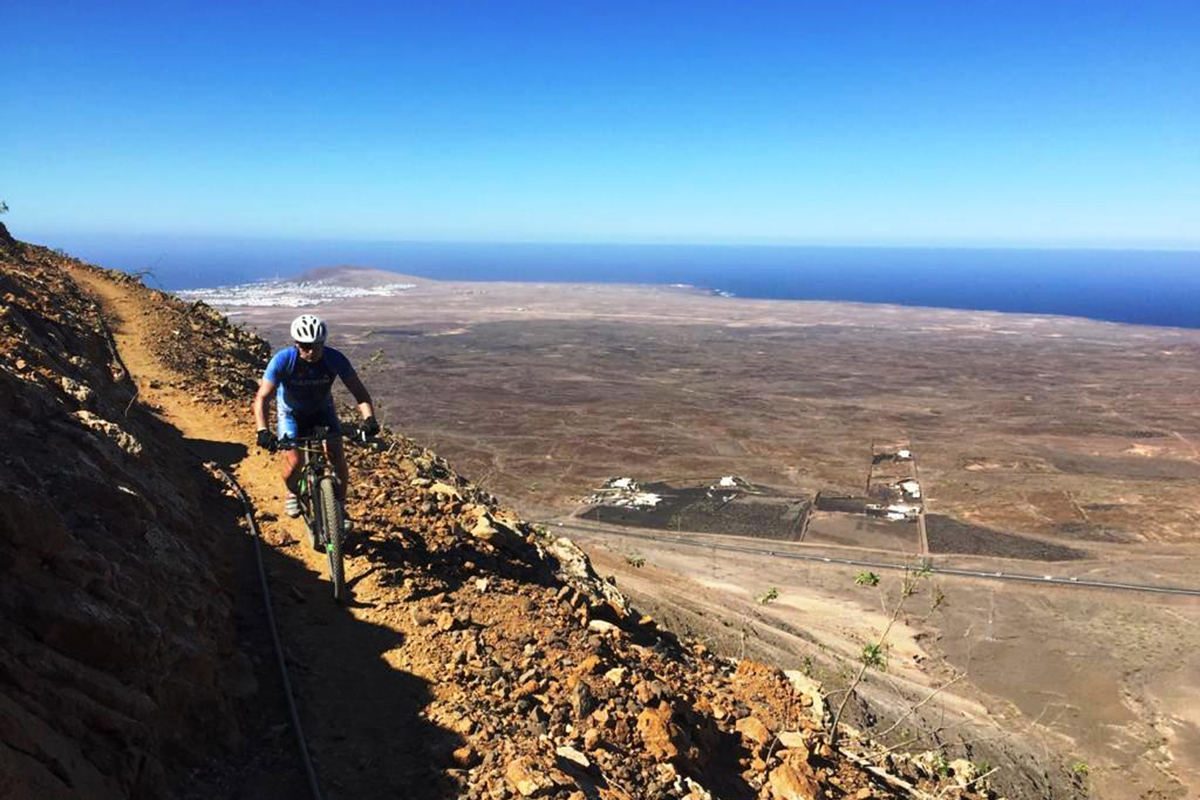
point(1149, 287)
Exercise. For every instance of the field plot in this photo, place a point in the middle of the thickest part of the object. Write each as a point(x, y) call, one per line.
point(858, 530)
point(700, 510)
point(948, 535)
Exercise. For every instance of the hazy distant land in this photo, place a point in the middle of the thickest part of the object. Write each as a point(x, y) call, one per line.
point(1146, 287)
point(548, 388)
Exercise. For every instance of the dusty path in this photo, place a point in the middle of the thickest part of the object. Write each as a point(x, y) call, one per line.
point(362, 716)
point(231, 427)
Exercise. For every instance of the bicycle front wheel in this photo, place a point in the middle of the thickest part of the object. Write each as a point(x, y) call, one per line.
point(331, 521)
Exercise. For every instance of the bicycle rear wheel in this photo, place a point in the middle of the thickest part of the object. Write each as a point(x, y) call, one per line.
point(331, 521)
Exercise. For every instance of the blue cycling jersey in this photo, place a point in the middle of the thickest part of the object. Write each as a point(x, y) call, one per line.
point(305, 388)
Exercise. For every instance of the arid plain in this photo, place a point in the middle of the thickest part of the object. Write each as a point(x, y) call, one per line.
point(1043, 446)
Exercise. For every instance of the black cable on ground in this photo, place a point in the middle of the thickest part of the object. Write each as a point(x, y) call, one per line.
point(283, 673)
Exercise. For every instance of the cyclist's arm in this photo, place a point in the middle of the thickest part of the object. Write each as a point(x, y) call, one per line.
point(266, 389)
point(361, 395)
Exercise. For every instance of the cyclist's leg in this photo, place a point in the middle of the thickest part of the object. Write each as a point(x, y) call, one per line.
point(334, 449)
point(289, 460)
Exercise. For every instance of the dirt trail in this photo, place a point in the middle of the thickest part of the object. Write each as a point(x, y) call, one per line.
point(362, 716)
point(127, 318)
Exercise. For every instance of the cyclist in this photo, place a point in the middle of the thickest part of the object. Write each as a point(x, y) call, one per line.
point(301, 378)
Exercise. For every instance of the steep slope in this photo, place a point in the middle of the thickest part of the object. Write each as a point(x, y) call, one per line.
point(481, 657)
point(118, 655)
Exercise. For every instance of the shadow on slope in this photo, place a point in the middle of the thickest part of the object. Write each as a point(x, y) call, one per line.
point(362, 714)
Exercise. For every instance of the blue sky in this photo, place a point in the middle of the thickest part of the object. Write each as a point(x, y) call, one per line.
point(956, 123)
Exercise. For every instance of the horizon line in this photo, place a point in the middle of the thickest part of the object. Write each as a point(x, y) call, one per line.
point(617, 243)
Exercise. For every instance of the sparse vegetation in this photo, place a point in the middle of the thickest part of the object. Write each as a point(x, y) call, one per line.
point(1081, 768)
point(875, 656)
point(634, 560)
point(867, 578)
point(770, 596)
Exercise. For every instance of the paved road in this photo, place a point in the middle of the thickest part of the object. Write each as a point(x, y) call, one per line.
point(707, 544)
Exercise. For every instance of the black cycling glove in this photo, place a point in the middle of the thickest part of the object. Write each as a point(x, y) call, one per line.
point(370, 426)
point(267, 440)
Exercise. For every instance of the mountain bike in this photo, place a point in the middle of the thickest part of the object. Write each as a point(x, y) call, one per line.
point(319, 506)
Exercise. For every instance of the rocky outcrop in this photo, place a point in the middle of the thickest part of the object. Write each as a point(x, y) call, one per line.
point(8, 245)
point(558, 686)
point(114, 615)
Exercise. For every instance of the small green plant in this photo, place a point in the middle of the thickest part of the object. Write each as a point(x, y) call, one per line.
point(634, 560)
point(875, 656)
point(770, 596)
point(866, 578)
point(941, 765)
point(1081, 768)
point(983, 768)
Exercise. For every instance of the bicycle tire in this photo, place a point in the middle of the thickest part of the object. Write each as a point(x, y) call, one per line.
point(310, 520)
point(331, 521)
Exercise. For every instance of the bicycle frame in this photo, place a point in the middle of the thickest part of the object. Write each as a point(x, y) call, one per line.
point(322, 511)
point(314, 465)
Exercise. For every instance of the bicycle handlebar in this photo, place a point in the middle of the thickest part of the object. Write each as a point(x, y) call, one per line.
point(293, 443)
point(351, 432)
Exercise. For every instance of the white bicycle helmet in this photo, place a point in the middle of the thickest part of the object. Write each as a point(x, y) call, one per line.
point(308, 329)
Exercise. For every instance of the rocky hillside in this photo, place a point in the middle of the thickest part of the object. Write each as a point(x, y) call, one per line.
point(119, 671)
point(118, 662)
